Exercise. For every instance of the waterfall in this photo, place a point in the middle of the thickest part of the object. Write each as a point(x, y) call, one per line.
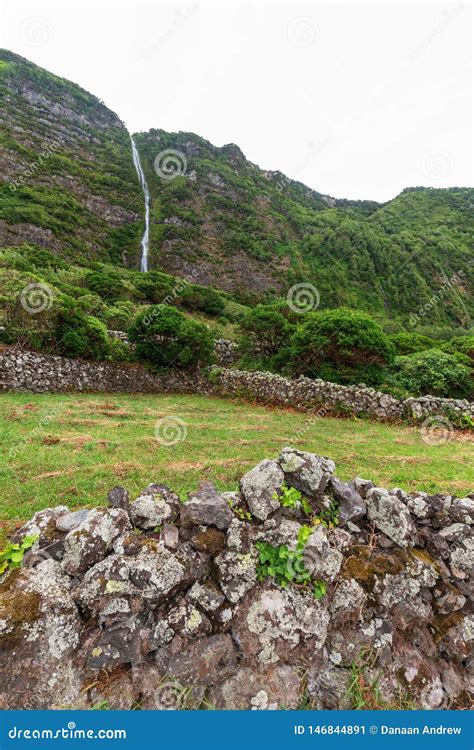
point(146, 233)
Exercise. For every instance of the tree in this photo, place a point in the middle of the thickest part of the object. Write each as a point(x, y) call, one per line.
point(165, 337)
point(341, 345)
point(436, 373)
point(265, 330)
point(408, 343)
point(79, 335)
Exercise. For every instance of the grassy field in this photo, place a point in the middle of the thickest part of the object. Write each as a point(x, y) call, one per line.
point(72, 449)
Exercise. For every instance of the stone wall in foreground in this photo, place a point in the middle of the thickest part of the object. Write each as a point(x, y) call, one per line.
point(41, 373)
point(159, 603)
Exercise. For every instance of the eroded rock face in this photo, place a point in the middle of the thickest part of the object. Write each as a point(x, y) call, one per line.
point(206, 507)
point(43, 525)
point(391, 516)
point(306, 471)
point(92, 540)
point(190, 612)
point(277, 625)
point(266, 690)
point(154, 506)
point(40, 630)
point(352, 506)
point(261, 487)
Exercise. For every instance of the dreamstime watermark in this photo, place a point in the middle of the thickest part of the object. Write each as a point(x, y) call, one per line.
point(436, 430)
point(170, 696)
point(170, 430)
point(71, 732)
point(36, 31)
point(302, 31)
point(47, 149)
point(436, 164)
point(180, 18)
point(170, 298)
point(448, 16)
point(36, 298)
point(169, 164)
point(302, 298)
point(447, 286)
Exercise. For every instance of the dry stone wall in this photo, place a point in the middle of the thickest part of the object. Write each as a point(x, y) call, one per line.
point(159, 603)
point(41, 373)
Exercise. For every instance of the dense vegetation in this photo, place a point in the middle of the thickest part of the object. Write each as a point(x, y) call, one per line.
point(394, 281)
point(257, 233)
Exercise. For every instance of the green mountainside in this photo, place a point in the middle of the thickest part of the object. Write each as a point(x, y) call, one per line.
point(68, 183)
point(69, 187)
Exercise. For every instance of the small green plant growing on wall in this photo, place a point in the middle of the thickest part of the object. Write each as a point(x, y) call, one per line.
point(291, 498)
point(12, 556)
point(328, 517)
point(287, 566)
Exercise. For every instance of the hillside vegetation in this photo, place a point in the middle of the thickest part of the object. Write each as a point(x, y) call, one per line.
point(390, 286)
point(68, 185)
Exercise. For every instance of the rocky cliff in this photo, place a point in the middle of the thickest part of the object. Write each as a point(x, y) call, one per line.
point(297, 590)
point(68, 182)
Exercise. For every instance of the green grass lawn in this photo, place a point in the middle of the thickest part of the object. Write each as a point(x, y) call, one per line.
point(71, 449)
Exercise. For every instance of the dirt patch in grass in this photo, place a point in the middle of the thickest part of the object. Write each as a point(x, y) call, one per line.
point(68, 439)
point(52, 474)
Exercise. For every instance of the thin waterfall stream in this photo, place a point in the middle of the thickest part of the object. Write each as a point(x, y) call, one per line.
point(146, 194)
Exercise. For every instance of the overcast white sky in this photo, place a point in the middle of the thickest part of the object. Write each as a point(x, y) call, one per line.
point(356, 100)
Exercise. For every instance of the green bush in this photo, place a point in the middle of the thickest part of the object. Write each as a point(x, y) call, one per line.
point(409, 343)
point(436, 373)
point(79, 335)
point(462, 345)
point(194, 297)
point(341, 345)
point(264, 338)
point(109, 286)
point(165, 337)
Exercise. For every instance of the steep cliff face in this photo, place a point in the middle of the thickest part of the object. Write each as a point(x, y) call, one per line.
point(67, 177)
point(68, 184)
point(255, 232)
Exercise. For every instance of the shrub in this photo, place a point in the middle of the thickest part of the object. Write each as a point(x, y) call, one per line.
point(436, 373)
point(462, 345)
point(409, 343)
point(165, 337)
point(109, 286)
point(265, 330)
point(341, 345)
point(79, 335)
point(195, 297)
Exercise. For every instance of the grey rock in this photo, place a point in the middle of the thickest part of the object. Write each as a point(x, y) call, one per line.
point(391, 516)
point(202, 661)
point(118, 498)
point(170, 536)
point(352, 507)
point(306, 472)
point(261, 486)
point(254, 690)
point(71, 521)
point(154, 506)
point(206, 507)
point(40, 632)
point(280, 625)
point(462, 511)
point(237, 573)
point(362, 486)
point(93, 539)
point(320, 558)
point(42, 525)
